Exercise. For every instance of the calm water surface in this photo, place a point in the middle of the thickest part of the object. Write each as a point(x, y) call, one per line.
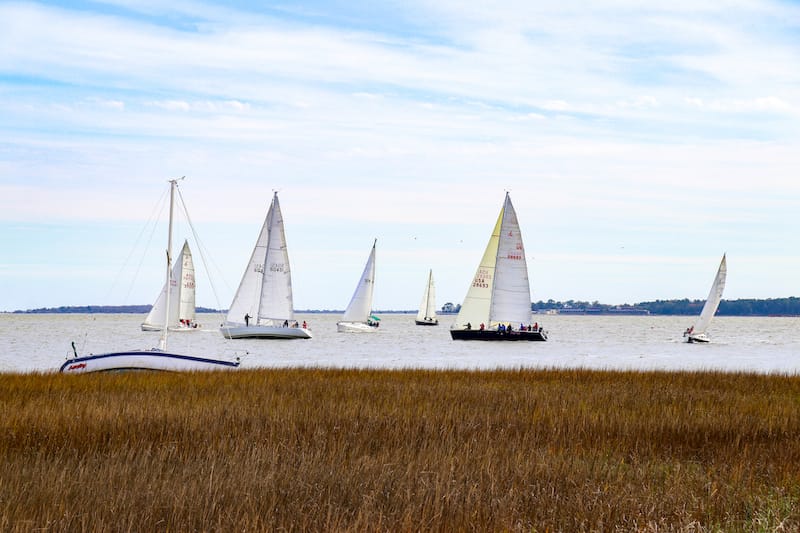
point(41, 342)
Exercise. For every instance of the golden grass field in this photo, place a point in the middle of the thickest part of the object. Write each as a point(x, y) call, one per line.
point(419, 450)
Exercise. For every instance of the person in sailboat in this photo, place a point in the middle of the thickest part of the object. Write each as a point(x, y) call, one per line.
point(305, 326)
point(247, 319)
point(286, 323)
point(482, 326)
point(688, 331)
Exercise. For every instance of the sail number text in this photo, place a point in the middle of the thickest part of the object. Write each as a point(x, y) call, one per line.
point(482, 278)
point(516, 255)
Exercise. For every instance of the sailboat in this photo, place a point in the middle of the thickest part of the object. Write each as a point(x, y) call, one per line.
point(697, 332)
point(426, 316)
point(263, 307)
point(358, 316)
point(155, 358)
point(181, 315)
point(497, 306)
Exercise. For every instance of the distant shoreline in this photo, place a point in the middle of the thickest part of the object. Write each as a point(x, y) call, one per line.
point(770, 307)
point(143, 309)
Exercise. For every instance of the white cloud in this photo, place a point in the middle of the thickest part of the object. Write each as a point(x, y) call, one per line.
point(769, 104)
point(117, 105)
point(556, 105)
point(171, 105)
point(640, 102)
point(205, 106)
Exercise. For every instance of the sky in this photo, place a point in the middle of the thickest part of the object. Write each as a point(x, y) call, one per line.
point(639, 141)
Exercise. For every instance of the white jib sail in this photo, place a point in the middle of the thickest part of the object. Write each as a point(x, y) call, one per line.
point(246, 299)
point(360, 306)
point(511, 292)
point(478, 301)
point(276, 303)
point(427, 307)
point(158, 315)
point(187, 285)
point(714, 297)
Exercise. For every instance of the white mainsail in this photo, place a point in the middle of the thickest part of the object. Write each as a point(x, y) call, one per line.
point(181, 298)
point(714, 297)
point(360, 306)
point(276, 304)
point(265, 292)
point(427, 307)
point(511, 293)
point(500, 290)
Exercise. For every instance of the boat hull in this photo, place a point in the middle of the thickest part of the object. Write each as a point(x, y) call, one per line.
point(487, 335)
point(144, 360)
point(426, 322)
point(355, 327)
point(701, 338)
point(150, 327)
point(264, 332)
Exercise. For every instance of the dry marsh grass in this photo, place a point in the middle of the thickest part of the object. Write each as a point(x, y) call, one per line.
point(320, 449)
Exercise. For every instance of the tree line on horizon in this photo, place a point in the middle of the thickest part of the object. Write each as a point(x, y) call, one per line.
point(743, 307)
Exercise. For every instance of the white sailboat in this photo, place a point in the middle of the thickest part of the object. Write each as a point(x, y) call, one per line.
point(181, 315)
point(263, 307)
point(498, 302)
point(155, 358)
point(358, 316)
point(426, 316)
point(697, 332)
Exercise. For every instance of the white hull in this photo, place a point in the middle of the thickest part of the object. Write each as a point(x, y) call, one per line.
point(264, 332)
point(355, 327)
point(701, 337)
point(144, 360)
point(150, 327)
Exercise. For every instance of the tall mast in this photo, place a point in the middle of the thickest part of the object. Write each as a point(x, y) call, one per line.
point(428, 294)
point(172, 185)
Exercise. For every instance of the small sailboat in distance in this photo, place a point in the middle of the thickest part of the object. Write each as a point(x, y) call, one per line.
point(497, 306)
point(155, 358)
point(426, 316)
point(697, 332)
point(358, 317)
point(263, 307)
point(181, 314)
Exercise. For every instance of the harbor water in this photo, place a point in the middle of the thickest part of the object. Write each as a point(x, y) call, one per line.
point(41, 342)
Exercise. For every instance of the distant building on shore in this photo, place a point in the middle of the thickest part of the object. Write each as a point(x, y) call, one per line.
point(597, 310)
point(449, 308)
